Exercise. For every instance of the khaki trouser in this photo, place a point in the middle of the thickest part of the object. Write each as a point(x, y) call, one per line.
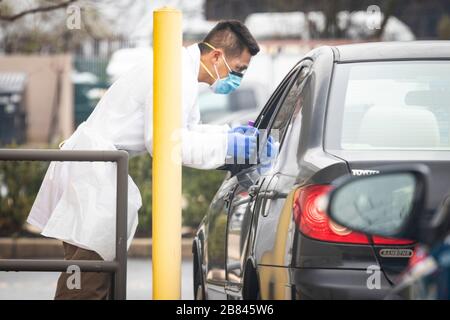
point(93, 285)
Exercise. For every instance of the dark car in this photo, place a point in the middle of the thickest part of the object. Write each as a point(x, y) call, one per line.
point(340, 111)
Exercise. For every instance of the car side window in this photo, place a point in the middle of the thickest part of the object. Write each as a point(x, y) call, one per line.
point(291, 104)
point(266, 114)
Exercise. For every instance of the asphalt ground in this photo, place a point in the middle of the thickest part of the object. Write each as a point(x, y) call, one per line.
point(41, 285)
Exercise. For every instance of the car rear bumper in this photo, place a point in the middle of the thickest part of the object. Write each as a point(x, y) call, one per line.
point(322, 284)
point(340, 284)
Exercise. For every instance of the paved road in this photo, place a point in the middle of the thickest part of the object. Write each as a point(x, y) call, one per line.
point(41, 285)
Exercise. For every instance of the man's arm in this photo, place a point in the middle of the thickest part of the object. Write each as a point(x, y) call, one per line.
point(200, 146)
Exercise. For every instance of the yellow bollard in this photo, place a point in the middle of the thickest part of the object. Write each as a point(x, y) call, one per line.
point(166, 183)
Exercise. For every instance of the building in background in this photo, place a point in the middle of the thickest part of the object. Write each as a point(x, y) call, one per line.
point(43, 83)
point(12, 107)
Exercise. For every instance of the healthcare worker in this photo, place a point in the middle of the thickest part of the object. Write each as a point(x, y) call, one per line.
point(76, 201)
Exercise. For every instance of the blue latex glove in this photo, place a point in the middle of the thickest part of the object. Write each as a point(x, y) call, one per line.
point(240, 147)
point(267, 157)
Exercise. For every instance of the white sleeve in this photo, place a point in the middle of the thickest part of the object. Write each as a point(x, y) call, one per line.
point(204, 150)
point(202, 146)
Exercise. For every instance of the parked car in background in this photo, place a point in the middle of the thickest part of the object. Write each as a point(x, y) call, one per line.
point(340, 111)
point(392, 203)
point(249, 97)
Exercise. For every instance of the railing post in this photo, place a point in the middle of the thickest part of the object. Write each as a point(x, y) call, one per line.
point(120, 277)
point(118, 268)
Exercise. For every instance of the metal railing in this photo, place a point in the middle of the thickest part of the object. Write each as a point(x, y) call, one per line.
point(118, 267)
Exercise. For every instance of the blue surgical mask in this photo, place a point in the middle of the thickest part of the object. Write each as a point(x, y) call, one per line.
point(227, 84)
point(224, 85)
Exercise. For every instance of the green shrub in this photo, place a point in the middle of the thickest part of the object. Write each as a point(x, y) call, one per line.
point(19, 183)
point(199, 188)
point(140, 170)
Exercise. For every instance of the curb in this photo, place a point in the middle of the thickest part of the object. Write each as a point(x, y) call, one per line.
point(45, 248)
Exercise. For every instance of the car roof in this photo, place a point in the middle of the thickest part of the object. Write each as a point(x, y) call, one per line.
point(392, 51)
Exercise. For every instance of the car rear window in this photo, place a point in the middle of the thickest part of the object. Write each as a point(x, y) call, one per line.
point(400, 105)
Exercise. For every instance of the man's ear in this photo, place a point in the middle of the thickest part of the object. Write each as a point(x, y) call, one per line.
point(215, 55)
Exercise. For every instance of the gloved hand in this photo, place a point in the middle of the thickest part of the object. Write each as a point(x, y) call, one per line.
point(241, 147)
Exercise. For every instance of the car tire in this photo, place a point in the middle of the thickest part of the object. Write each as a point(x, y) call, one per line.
point(251, 285)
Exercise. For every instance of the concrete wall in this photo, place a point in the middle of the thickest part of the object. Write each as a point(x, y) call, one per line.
point(42, 72)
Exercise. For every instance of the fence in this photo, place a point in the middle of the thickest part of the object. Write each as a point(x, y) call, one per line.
point(118, 267)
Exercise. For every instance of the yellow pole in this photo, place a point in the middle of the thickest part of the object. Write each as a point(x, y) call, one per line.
point(166, 183)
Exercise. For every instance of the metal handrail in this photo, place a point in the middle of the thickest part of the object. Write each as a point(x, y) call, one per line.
point(119, 266)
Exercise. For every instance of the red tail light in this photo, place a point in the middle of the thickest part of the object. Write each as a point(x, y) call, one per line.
point(390, 241)
point(314, 223)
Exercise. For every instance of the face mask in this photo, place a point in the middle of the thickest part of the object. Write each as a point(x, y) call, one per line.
point(227, 84)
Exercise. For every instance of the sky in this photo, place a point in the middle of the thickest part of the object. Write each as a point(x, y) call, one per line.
point(137, 21)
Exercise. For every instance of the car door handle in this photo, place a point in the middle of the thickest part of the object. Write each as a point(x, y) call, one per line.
point(270, 195)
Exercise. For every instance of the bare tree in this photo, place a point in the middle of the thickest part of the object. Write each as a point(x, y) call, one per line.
point(40, 26)
point(37, 9)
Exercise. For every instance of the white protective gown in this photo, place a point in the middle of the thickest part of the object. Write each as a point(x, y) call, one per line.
point(76, 202)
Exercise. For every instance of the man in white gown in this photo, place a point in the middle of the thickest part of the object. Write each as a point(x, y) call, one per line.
point(76, 201)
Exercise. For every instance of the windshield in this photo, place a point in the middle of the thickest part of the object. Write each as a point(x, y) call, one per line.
point(390, 105)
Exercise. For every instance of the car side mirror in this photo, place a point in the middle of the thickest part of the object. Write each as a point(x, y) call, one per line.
point(389, 204)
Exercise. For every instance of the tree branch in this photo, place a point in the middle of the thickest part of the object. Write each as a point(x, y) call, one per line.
point(36, 10)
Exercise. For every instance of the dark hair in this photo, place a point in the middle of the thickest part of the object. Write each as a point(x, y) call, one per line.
point(232, 36)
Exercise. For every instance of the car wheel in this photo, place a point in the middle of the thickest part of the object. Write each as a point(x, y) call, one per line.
point(251, 285)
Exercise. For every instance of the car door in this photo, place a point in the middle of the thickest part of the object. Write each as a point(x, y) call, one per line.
point(215, 244)
point(218, 214)
point(239, 224)
point(252, 182)
point(273, 237)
